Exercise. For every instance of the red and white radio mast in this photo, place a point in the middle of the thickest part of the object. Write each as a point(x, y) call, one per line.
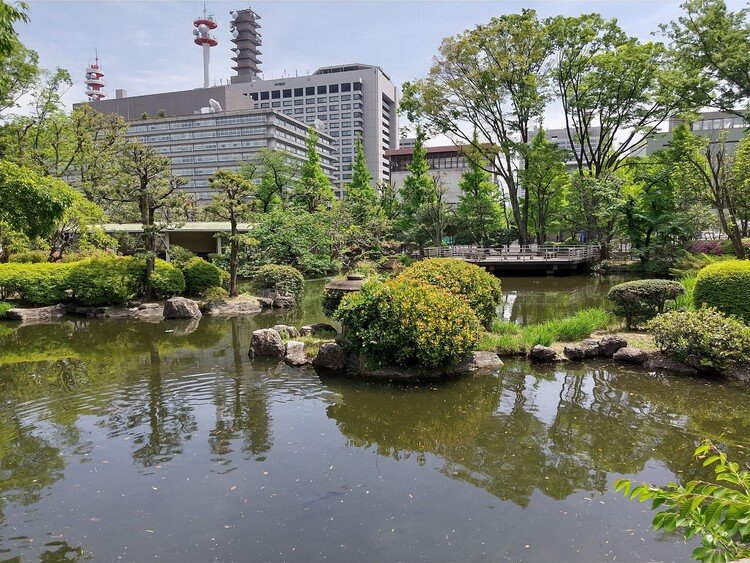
point(203, 38)
point(95, 81)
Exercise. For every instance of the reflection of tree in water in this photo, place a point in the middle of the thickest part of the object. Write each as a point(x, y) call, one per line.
point(517, 433)
point(61, 551)
point(242, 409)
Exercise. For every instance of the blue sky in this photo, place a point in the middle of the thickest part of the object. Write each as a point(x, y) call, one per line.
point(146, 46)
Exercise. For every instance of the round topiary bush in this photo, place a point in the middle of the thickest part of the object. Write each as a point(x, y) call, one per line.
point(408, 323)
point(283, 279)
point(726, 286)
point(200, 275)
point(705, 339)
point(480, 289)
point(167, 280)
point(215, 295)
point(640, 300)
point(106, 281)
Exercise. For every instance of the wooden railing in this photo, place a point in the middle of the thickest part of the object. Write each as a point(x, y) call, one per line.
point(531, 252)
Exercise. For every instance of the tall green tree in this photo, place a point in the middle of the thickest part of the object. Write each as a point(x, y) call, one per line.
point(493, 79)
point(313, 189)
point(147, 192)
point(280, 172)
point(478, 213)
point(711, 45)
point(360, 197)
point(232, 201)
point(414, 194)
point(544, 182)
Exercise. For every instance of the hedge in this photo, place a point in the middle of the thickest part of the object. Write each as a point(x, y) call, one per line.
point(167, 280)
point(284, 279)
point(36, 284)
point(107, 281)
point(200, 275)
point(408, 323)
point(640, 300)
point(480, 289)
point(725, 286)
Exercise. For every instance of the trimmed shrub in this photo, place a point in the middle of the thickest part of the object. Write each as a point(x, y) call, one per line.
point(180, 256)
point(215, 294)
point(641, 300)
point(725, 286)
point(408, 323)
point(167, 280)
point(480, 289)
point(706, 338)
point(36, 284)
point(106, 281)
point(30, 257)
point(200, 275)
point(284, 279)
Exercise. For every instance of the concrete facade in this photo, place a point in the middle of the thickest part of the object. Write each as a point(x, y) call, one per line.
point(349, 101)
point(709, 124)
point(200, 144)
point(561, 139)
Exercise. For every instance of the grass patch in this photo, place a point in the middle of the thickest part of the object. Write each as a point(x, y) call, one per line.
point(685, 301)
point(508, 338)
point(312, 344)
point(4, 308)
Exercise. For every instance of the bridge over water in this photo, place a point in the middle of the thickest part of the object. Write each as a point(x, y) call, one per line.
point(517, 259)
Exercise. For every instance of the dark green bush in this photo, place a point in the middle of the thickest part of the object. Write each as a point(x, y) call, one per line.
point(480, 289)
point(726, 286)
point(641, 300)
point(180, 256)
point(167, 280)
point(284, 279)
point(705, 338)
point(200, 275)
point(331, 300)
point(408, 323)
point(107, 281)
point(36, 284)
point(215, 294)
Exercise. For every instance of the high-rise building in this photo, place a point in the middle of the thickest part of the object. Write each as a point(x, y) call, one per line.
point(210, 129)
point(560, 138)
point(346, 101)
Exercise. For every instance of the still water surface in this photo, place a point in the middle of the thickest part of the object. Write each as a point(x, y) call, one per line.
point(135, 441)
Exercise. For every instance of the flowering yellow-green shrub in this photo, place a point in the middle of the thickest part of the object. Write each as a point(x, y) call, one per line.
point(480, 289)
point(726, 286)
point(408, 323)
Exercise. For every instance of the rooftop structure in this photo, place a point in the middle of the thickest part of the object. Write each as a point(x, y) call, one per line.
point(201, 30)
point(715, 125)
point(247, 40)
point(349, 101)
point(95, 81)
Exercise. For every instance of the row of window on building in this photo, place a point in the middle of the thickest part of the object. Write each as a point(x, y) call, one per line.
point(208, 122)
point(307, 91)
point(719, 124)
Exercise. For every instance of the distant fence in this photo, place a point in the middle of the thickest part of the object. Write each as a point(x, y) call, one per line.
point(531, 252)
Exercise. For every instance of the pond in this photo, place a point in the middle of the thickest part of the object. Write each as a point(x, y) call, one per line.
point(135, 441)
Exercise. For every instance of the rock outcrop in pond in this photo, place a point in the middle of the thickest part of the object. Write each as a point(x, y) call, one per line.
point(181, 308)
point(266, 343)
point(37, 314)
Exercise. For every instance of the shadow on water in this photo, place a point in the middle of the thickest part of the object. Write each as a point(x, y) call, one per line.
point(140, 440)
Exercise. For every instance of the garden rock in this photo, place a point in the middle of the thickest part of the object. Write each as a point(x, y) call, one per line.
point(37, 314)
point(611, 344)
point(265, 302)
point(279, 299)
point(295, 353)
point(630, 355)
point(479, 362)
point(541, 353)
point(574, 352)
point(181, 308)
point(287, 331)
point(659, 362)
point(331, 356)
point(240, 305)
point(266, 343)
point(590, 347)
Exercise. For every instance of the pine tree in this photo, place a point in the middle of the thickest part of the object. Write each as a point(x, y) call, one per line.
point(360, 197)
point(313, 190)
point(415, 192)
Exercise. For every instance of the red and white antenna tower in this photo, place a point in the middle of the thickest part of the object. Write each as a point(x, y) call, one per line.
point(203, 38)
point(95, 81)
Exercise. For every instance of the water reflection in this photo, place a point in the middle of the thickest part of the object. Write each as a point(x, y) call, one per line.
point(123, 439)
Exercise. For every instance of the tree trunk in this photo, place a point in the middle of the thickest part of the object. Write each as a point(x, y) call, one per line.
point(233, 251)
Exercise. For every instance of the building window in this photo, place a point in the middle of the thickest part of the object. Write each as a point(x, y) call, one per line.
point(276, 94)
point(334, 133)
point(275, 104)
point(323, 117)
point(346, 133)
point(322, 90)
point(346, 115)
point(310, 110)
point(333, 98)
point(264, 95)
point(334, 116)
point(298, 102)
point(310, 119)
point(288, 93)
point(333, 88)
point(346, 98)
point(310, 91)
point(264, 105)
point(298, 111)
point(254, 96)
point(298, 91)
point(357, 86)
point(333, 126)
point(346, 87)
point(333, 108)
point(310, 101)
point(287, 103)
point(346, 124)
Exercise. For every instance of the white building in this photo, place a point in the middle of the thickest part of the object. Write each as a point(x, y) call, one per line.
point(347, 101)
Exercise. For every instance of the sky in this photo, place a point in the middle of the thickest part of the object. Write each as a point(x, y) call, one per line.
point(147, 46)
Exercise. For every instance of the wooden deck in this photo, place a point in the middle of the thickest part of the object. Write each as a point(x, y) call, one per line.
point(547, 258)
